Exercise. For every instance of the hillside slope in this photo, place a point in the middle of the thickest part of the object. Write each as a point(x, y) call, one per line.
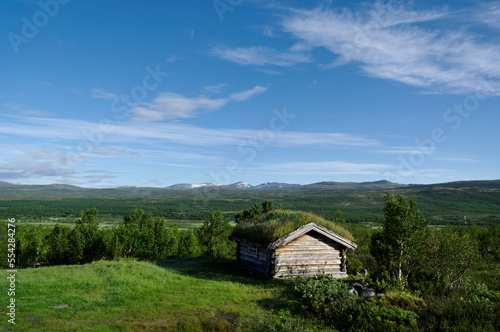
point(190, 294)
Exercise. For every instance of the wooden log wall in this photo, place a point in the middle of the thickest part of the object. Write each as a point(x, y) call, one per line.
point(254, 259)
point(310, 254)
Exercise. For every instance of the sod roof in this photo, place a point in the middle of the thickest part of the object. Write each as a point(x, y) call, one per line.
point(269, 227)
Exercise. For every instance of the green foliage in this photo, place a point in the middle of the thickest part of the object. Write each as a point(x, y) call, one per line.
point(490, 243)
point(188, 244)
point(287, 321)
point(93, 245)
point(269, 227)
point(373, 317)
point(354, 265)
point(327, 298)
point(441, 206)
point(459, 311)
point(213, 236)
point(59, 251)
point(249, 214)
point(29, 243)
point(144, 237)
point(339, 218)
point(397, 247)
point(450, 255)
point(267, 206)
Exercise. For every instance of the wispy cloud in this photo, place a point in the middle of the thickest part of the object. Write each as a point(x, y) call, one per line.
point(147, 133)
point(168, 105)
point(244, 95)
point(488, 14)
point(259, 56)
point(269, 31)
point(25, 110)
point(392, 43)
point(458, 159)
point(326, 168)
point(214, 88)
point(59, 87)
point(98, 93)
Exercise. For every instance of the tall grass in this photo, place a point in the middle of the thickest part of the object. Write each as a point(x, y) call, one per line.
point(269, 227)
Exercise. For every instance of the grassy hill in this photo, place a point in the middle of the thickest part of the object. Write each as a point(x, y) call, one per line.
point(181, 294)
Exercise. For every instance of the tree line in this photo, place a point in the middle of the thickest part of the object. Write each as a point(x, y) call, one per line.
point(139, 235)
point(406, 253)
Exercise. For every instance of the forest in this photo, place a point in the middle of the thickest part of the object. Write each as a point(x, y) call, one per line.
point(443, 204)
point(433, 278)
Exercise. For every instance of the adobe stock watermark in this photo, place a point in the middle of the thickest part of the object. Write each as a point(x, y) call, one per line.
point(11, 263)
point(31, 26)
point(223, 6)
point(249, 149)
point(120, 107)
point(453, 117)
point(253, 145)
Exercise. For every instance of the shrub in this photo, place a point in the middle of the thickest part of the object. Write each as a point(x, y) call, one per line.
point(354, 265)
point(459, 311)
point(327, 298)
point(373, 317)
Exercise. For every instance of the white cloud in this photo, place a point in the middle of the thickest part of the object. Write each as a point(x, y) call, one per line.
point(168, 105)
point(244, 95)
point(102, 94)
point(165, 133)
point(214, 88)
point(488, 14)
point(391, 43)
point(259, 56)
point(29, 170)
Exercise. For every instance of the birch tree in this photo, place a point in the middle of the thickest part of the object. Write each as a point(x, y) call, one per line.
point(396, 246)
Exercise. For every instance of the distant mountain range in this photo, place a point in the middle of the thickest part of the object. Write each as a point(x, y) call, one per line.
point(240, 185)
point(6, 187)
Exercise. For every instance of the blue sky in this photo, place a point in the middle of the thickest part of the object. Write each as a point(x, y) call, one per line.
point(153, 93)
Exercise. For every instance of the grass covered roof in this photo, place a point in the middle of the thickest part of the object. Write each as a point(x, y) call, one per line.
point(271, 226)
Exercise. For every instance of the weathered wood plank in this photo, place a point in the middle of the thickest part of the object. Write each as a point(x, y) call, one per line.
point(306, 258)
point(305, 250)
point(308, 254)
point(311, 266)
point(303, 245)
point(293, 265)
point(253, 260)
point(262, 258)
point(309, 262)
point(338, 275)
point(306, 271)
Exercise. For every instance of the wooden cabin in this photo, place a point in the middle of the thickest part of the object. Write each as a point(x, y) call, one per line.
point(310, 250)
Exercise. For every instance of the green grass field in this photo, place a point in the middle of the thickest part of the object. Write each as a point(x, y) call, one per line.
point(178, 294)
